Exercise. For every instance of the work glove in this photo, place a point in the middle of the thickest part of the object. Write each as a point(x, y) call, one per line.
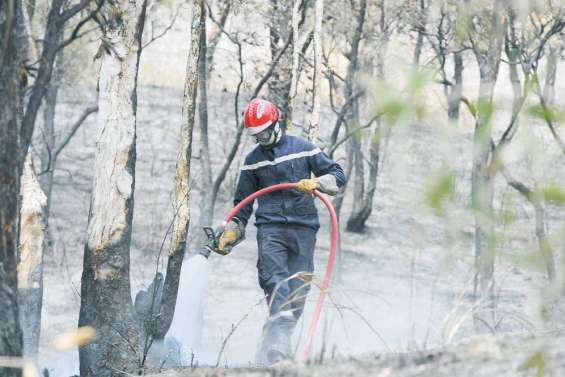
point(230, 235)
point(324, 183)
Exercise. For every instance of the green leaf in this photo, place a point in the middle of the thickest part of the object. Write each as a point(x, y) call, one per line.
point(553, 194)
point(547, 114)
point(440, 190)
point(536, 362)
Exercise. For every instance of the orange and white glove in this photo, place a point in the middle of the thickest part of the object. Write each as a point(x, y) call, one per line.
point(307, 185)
point(232, 234)
point(324, 183)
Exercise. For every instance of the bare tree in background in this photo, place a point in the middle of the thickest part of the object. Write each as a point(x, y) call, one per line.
point(314, 126)
point(12, 54)
point(525, 43)
point(365, 187)
point(43, 91)
point(486, 35)
point(442, 36)
point(280, 31)
point(421, 20)
point(350, 118)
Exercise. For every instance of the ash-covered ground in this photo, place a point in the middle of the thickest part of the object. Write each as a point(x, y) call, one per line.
point(405, 284)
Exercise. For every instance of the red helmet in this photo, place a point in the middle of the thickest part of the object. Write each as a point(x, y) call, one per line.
point(259, 115)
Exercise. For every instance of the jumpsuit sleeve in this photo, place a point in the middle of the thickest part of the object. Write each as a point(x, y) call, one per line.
point(246, 185)
point(321, 164)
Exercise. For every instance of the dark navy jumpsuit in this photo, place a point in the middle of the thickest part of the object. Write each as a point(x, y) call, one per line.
point(287, 221)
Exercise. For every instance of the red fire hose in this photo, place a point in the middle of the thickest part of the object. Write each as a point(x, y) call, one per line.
point(331, 259)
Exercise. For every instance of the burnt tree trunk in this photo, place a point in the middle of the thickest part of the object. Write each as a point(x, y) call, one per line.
point(181, 197)
point(422, 19)
point(54, 31)
point(454, 100)
point(106, 301)
point(280, 30)
point(12, 53)
point(354, 157)
point(206, 167)
point(363, 206)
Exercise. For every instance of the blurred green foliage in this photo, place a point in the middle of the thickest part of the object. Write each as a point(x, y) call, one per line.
point(440, 190)
point(537, 363)
point(553, 194)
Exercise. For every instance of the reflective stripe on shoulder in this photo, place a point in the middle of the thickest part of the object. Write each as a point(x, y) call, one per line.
point(278, 160)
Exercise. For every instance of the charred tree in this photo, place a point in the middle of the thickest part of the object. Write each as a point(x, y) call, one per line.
point(106, 301)
point(57, 18)
point(456, 92)
point(181, 197)
point(365, 193)
point(206, 169)
point(280, 31)
point(422, 19)
point(12, 54)
point(351, 119)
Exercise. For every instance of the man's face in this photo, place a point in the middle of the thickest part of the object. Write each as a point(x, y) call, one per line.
point(264, 137)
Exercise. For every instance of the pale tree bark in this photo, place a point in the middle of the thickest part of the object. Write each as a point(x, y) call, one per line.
point(488, 55)
point(513, 55)
point(295, 60)
point(30, 265)
point(106, 301)
point(12, 54)
point(280, 31)
point(314, 126)
point(181, 197)
point(550, 75)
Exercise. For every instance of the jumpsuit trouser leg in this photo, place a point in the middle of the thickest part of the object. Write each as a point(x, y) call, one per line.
point(284, 250)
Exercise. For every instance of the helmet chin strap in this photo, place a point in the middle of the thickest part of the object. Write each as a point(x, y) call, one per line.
point(274, 139)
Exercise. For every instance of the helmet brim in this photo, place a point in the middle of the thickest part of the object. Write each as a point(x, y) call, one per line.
point(252, 131)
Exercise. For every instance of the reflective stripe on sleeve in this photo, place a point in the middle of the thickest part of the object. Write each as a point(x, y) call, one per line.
point(278, 160)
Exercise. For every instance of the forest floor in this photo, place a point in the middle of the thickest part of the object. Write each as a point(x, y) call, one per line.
point(405, 284)
point(481, 356)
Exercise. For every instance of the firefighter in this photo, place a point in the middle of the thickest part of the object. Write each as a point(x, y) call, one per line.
point(286, 221)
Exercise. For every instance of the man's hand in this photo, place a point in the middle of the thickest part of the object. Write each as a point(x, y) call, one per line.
point(307, 185)
point(232, 234)
point(324, 183)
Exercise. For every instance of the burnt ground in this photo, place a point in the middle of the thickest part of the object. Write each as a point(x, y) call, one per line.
point(405, 283)
point(485, 356)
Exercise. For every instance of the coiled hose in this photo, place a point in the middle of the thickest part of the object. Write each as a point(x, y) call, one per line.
point(331, 259)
